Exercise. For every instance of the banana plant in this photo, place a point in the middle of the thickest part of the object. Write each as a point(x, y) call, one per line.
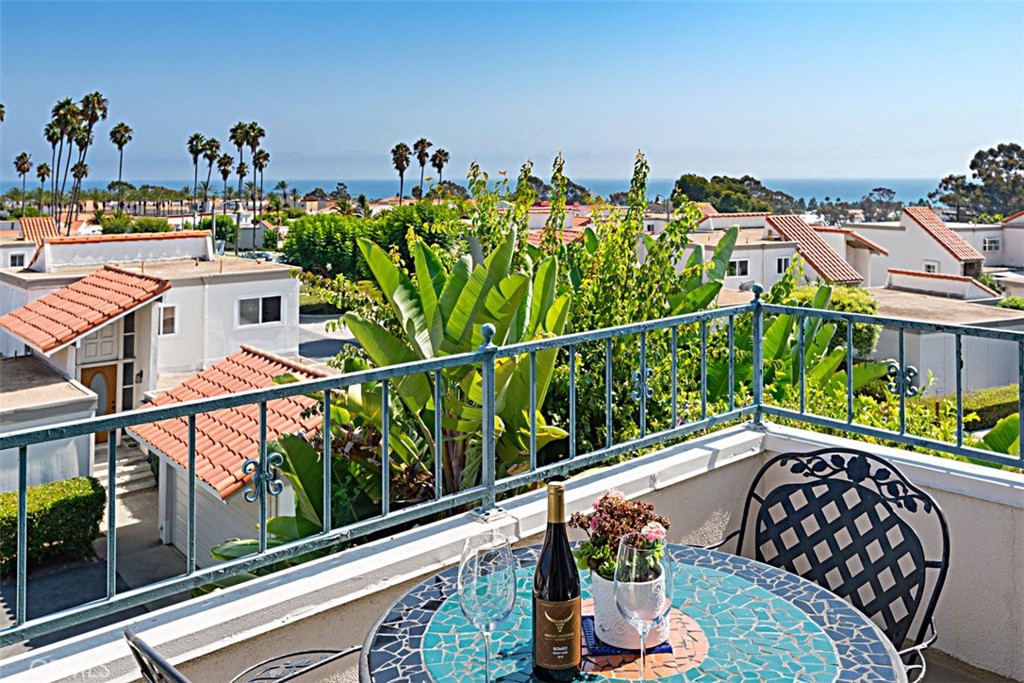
point(781, 352)
point(441, 312)
point(1004, 437)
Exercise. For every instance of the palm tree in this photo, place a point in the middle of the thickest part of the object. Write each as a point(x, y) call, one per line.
point(253, 135)
point(66, 117)
point(211, 150)
point(52, 134)
point(3, 111)
point(196, 146)
point(225, 162)
point(42, 172)
point(295, 196)
point(94, 108)
point(242, 171)
point(438, 161)
point(400, 157)
point(282, 187)
point(120, 135)
point(80, 171)
point(239, 137)
point(23, 164)
point(422, 156)
point(260, 161)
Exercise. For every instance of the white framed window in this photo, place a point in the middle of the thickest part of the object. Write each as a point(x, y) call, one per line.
point(781, 265)
point(259, 310)
point(738, 268)
point(16, 260)
point(168, 321)
point(992, 244)
point(931, 266)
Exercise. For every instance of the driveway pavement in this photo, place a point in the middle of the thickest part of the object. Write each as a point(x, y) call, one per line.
point(316, 342)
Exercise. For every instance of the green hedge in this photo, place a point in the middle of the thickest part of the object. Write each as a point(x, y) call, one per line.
point(1012, 302)
point(846, 300)
point(63, 519)
point(991, 405)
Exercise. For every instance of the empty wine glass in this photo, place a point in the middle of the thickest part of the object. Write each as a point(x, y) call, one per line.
point(643, 586)
point(487, 585)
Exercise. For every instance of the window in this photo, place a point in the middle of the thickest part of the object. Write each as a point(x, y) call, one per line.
point(931, 266)
point(738, 268)
point(782, 264)
point(259, 311)
point(16, 261)
point(168, 323)
point(992, 244)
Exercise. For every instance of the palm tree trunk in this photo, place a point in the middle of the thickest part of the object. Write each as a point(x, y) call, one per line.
point(422, 169)
point(401, 187)
point(120, 189)
point(22, 195)
point(53, 162)
point(64, 184)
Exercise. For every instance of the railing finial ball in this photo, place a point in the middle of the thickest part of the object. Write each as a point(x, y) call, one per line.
point(488, 333)
point(758, 289)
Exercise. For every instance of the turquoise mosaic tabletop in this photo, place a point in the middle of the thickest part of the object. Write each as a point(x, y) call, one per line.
point(733, 620)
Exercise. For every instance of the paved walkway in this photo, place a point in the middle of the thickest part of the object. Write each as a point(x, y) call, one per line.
point(316, 343)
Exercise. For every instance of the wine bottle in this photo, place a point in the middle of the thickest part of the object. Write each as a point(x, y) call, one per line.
point(556, 599)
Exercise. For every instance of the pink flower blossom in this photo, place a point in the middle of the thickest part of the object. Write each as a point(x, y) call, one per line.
point(593, 523)
point(653, 532)
point(614, 494)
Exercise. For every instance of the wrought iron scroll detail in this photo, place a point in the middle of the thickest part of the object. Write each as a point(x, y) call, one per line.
point(642, 379)
point(902, 382)
point(857, 468)
point(266, 478)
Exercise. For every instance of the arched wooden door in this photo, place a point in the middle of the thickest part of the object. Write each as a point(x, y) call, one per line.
point(102, 381)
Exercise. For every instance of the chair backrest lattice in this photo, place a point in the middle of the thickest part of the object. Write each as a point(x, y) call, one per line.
point(843, 519)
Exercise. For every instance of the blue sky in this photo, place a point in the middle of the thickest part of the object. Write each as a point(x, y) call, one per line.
point(800, 89)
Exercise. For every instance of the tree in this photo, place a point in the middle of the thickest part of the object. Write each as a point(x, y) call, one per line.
point(421, 147)
point(729, 194)
point(955, 192)
point(94, 107)
point(42, 172)
point(340, 193)
point(67, 118)
point(447, 189)
point(879, 204)
point(196, 147)
point(3, 112)
point(120, 135)
point(53, 136)
point(1000, 171)
point(438, 160)
point(254, 134)
point(282, 187)
point(225, 162)
point(211, 152)
point(401, 157)
point(23, 164)
point(239, 137)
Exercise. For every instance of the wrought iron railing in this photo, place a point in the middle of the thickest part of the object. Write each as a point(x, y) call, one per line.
point(744, 398)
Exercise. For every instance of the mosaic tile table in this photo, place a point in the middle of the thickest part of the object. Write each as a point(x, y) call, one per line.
point(733, 620)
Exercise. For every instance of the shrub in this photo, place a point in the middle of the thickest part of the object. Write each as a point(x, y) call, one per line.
point(991, 404)
point(846, 300)
point(1014, 302)
point(63, 519)
point(225, 228)
point(150, 224)
point(116, 224)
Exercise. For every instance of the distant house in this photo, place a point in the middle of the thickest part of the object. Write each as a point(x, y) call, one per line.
point(921, 241)
point(225, 439)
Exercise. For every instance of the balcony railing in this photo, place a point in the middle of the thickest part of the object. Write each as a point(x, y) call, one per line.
point(733, 339)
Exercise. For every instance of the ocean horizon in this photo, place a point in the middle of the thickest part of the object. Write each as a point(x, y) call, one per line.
point(848, 189)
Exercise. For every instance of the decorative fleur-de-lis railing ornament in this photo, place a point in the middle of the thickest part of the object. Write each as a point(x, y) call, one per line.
point(902, 382)
point(641, 379)
point(267, 478)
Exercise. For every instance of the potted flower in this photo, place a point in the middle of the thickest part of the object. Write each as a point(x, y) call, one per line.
point(614, 517)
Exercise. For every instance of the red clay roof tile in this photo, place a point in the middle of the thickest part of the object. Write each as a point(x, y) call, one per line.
point(941, 233)
point(38, 228)
point(226, 438)
point(60, 317)
point(815, 250)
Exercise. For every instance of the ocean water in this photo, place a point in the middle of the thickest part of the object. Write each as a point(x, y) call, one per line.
point(849, 189)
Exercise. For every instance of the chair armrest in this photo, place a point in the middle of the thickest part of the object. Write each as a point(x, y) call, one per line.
point(719, 544)
point(292, 665)
point(917, 652)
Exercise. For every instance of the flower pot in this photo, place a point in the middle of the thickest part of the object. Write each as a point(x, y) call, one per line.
point(609, 624)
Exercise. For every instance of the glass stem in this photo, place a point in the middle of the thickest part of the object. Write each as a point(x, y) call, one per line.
point(643, 654)
point(487, 656)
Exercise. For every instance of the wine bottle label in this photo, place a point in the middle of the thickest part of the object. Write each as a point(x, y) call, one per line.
point(556, 634)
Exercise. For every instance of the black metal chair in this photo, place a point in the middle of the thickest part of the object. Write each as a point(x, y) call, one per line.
point(156, 669)
point(842, 518)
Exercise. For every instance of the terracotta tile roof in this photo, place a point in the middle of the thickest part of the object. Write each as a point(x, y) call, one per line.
point(39, 228)
point(58, 318)
point(815, 250)
point(226, 438)
point(943, 276)
point(941, 233)
point(857, 237)
point(1010, 219)
point(581, 221)
point(707, 209)
point(567, 235)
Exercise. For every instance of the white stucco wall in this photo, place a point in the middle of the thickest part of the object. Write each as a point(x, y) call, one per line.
point(207, 319)
point(909, 247)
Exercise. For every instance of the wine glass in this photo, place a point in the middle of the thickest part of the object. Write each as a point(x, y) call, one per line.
point(487, 585)
point(643, 586)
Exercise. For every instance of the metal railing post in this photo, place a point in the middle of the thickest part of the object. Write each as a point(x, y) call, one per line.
point(487, 427)
point(758, 347)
